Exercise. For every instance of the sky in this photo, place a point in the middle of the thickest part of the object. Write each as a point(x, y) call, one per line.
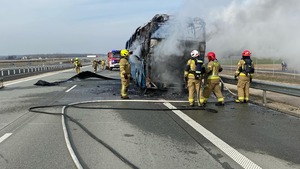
point(75, 26)
point(268, 28)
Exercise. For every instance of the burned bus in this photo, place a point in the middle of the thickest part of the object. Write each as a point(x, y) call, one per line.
point(161, 48)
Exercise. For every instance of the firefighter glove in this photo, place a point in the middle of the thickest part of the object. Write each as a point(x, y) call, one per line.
point(220, 69)
point(240, 69)
point(250, 80)
point(125, 76)
point(203, 70)
point(186, 81)
point(235, 77)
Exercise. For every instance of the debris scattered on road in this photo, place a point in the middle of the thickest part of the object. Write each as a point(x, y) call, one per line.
point(81, 75)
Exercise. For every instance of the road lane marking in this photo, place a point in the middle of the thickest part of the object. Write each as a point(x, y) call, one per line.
point(71, 88)
point(227, 149)
point(65, 131)
point(69, 146)
point(130, 100)
point(32, 78)
point(4, 137)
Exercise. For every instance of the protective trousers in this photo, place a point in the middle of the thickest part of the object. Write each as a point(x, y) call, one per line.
point(77, 69)
point(194, 85)
point(125, 85)
point(243, 88)
point(95, 68)
point(212, 85)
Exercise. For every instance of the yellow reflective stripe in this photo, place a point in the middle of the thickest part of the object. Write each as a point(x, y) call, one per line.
point(221, 99)
point(216, 63)
point(213, 77)
point(203, 100)
point(243, 74)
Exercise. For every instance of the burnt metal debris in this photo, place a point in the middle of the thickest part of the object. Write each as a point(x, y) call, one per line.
point(81, 75)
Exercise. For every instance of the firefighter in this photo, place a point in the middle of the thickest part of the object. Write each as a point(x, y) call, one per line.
point(103, 64)
point(244, 74)
point(124, 73)
point(95, 65)
point(212, 70)
point(77, 65)
point(192, 77)
point(283, 66)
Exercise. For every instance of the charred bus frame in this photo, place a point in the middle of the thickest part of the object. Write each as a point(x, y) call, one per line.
point(161, 48)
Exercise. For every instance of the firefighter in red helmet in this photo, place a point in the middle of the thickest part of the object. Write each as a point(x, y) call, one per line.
point(213, 80)
point(244, 74)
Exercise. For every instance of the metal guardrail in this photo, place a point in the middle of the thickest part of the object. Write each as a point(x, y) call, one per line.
point(17, 72)
point(29, 69)
point(268, 86)
point(1, 83)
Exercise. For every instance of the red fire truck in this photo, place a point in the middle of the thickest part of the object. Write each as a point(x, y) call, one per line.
point(113, 59)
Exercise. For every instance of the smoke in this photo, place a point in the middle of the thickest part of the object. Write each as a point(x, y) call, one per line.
point(178, 37)
point(268, 28)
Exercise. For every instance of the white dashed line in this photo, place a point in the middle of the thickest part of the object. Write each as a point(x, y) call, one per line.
point(227, 149)
point(71, 88)
point(4, 137)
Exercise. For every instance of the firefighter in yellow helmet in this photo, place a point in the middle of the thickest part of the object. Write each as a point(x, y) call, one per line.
point(103, 64)
point(124, 73)
point(244, 74)
point(95, 65)
point(77, 65)
point(192, 77)
point(212, 85)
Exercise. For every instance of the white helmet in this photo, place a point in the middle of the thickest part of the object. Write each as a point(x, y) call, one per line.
point(195, 53)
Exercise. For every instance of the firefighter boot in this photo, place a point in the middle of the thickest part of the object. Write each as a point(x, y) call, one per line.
point(239, 101)
point(192, 104)
point(219, 104)
point(202, 104)
point(124, 97)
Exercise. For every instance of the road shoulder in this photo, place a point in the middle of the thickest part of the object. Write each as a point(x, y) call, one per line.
point(280, 102)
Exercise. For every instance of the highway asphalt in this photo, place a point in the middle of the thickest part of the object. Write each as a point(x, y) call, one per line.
point(152, 130)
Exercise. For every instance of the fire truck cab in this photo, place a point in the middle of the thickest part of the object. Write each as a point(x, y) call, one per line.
point(113, 59)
